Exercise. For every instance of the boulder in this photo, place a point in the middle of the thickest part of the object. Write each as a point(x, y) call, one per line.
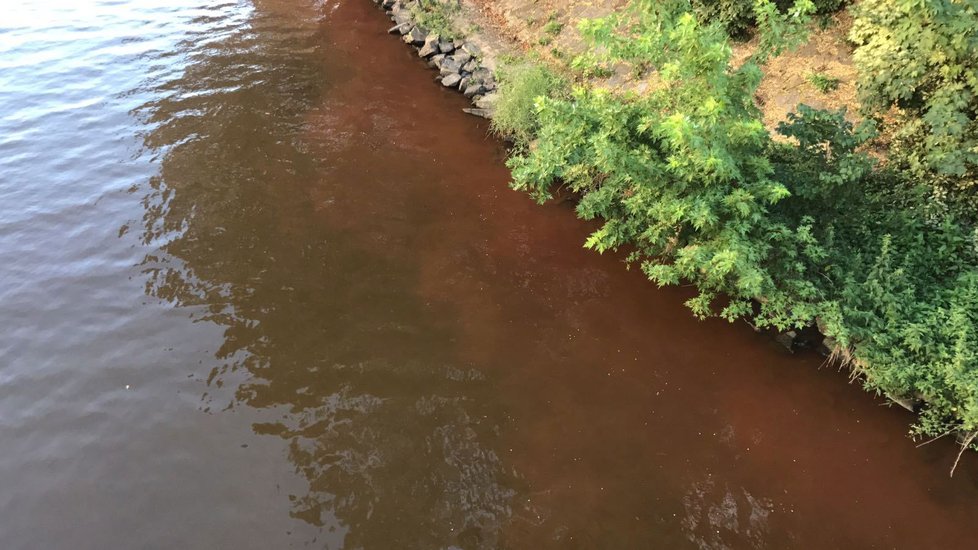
point(403, 20)
point(450, 66)
point(474, 89)
point(396, 29)
point(451, 80)
point(487, 102)
point(787, 339)
point(446, 46)
point(462, 58)
point(472, 49)
point(471, 66)
point(416, 36)
point(430, 47)
point(908, 403)
point(828, 345)
point(478, 112)
point(482, 75)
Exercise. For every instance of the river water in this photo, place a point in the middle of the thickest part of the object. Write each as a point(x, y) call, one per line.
point(263, 285)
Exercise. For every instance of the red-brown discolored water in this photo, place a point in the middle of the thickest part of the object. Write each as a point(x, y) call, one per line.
point(326, 322)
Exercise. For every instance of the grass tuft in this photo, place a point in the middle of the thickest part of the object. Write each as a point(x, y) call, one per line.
point(521, 83)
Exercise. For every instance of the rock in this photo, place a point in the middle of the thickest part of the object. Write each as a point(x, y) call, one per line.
point(462, 58)
point(787, 339)
point(487, 102)
point(474, 90)
point(430, 47)
point(451, 80)
point(822, 326)
point(403, 20)
point(446, 46)
point(482, 75)
point(828, 345)
point(906, 402)
point(416, 36)
point(436, 60)
point(471, 66)
point(471, 49)
point(478, 112)
point(387, 4)
point(396, 29)
point(450, 66)
point(464, 83)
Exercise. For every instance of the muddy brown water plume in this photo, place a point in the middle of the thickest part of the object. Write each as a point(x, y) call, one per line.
point(327, 322)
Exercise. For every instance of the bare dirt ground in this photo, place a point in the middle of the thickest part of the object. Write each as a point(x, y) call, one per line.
point(524, 24)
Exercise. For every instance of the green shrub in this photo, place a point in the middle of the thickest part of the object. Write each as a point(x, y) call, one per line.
point(437, 17)
point(783, 233)
point(522, 83)
point(896, 279)
point(681, 174)
point(922, 57)
point(553, 27)
point(737, 16)
point(822, 82)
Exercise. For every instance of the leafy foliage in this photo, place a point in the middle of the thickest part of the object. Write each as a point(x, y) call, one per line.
point(681, 173)
point(521, 84)
point(822, 82)
point(785, 233)
point(896, 280)
point(738, 16)
point(553, 26)
point(922, 57)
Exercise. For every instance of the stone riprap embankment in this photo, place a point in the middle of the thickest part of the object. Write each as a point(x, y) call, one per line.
point(458, 61)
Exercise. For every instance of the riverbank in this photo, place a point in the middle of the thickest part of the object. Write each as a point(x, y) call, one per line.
point(548, 29)
point(477, 36)
point(549, 35)
point(265, 281)
point(462, 48)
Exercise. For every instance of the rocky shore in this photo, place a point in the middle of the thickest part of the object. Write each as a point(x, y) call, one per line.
point(459, 62)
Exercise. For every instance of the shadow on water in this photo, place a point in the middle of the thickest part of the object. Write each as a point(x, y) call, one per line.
point(391, 431)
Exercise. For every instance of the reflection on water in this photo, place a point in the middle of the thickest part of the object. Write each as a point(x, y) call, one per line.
point(391, 431)
point(715, 514)
point(444, 365)
point(385, 347)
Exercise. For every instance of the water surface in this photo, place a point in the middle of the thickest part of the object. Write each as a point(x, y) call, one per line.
point(263, 285)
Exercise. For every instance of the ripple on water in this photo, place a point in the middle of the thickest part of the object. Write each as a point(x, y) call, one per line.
point(105, 444)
